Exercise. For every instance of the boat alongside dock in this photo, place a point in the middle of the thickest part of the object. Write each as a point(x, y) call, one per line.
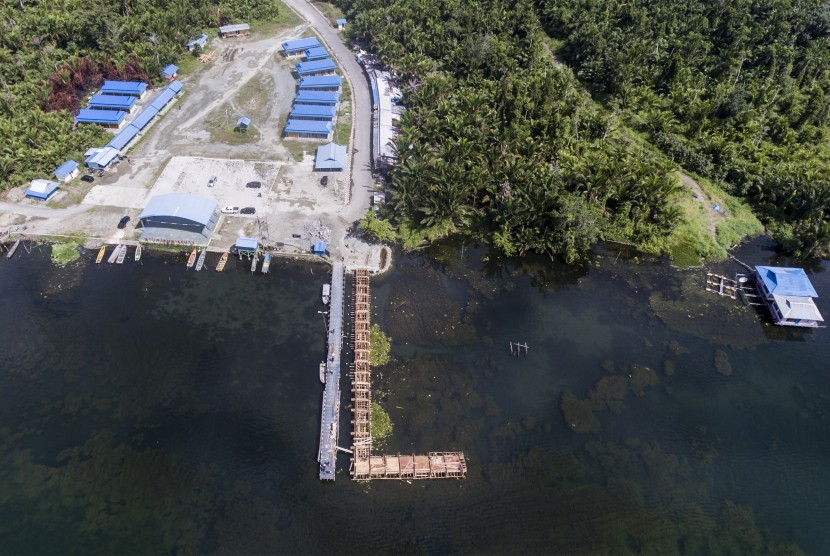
point(122, 254)
point(191, 260)
point(223, 260)
point(326, 294)
point(101, 252)
point(14, 247)
point(138, 253)
point(266, 263)
point(114, 254)
point(201, 262)
point(323, 372)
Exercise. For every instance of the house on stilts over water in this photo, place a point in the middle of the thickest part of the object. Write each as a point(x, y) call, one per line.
point(789, 295)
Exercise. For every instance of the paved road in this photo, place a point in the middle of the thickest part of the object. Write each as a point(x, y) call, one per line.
point(43, 212)
point(362, 109)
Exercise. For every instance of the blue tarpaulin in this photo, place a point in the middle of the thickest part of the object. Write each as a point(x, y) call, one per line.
point(319, 248)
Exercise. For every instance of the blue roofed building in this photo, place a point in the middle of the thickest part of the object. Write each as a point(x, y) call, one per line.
point(316, 53)
point(109, 119)
point(789, 295)
point(299, 46)
point(331, 157)
point(321, 82)
point(324, 66)
point(319, 248)
point(126, 88)
point(101, 157)
point(312, 112)
point(180, 212)
point(199, 41)
point(308, 96)
point(144, 117)
point(243, 123)
point(67, 171)
point(246, 244)
point(112, 102)
point(42, 189)
point(170, 72)
point(123, 138)
point(341, 24)
point(175, 86)
point(308, 129)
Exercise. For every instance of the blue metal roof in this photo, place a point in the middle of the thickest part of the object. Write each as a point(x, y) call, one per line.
point(320, 81)
point(325, 64)
point(135, 88)
point(786, 281)
point(62, 171)
point(313, 110)
point(300, 44)
point(161, 101)
point(124, 137)
point(175, 86)
point(247, 243)
point(316, 53)
point(145, 117)
point(308, 126)
point(341, 21)
point(112, 101)
point(201, 41)
point(319, 247)
point(243, 121)
point(102, 157)
point(90, 116)
point(42, 189)
point(330, 156)
point(170, 70)
point(180, 205)
point(309, 96)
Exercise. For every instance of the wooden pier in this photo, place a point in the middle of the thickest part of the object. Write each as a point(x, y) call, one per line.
point(364, 465)
point(742, 286)
point(330, 413)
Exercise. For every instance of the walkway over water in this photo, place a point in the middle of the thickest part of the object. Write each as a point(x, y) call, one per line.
point(436, 465)
point(329, 419)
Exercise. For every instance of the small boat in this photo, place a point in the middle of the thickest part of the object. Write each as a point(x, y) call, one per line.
point(326, 293)
point(201, 262)
point(101, 252)
point(191, 260)
point(114, 254)
point(223, 260)
point(138, 253)
point(254, 261)
point(266, 263)
point(323, 373)
point(122, 254)
point(13, 249)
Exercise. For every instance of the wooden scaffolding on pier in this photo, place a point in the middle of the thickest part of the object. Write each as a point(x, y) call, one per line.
point(364, 465)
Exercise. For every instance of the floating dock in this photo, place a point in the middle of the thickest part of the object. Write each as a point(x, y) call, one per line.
point(365, 465)
point(330, 414)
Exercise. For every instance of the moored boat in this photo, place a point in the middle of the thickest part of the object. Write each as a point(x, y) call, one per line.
point(266, 263)
point(326, 293)
point(223, 260)
point(254, 261)
point(201, 262)
point(138, 253)
point(101, 252)
point(114, 254)
point(323, 373)
point(122, 254)
point(192, 259)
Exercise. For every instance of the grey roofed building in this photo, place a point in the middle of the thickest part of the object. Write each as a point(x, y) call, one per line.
point(179, 211)
point(331, 157)
point(234, 30)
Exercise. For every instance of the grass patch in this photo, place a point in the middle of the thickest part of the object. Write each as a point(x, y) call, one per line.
point(296, 148)
point(343, 129)
point(252, 101)
point(75, 193)
point(332, 12)
point(286, 20)
point(65, 252)
point(692, 241)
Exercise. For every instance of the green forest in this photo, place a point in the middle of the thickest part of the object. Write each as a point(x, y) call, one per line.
point(502, 143)
point(54, 53)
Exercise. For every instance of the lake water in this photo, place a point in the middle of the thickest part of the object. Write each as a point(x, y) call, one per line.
point(148, 409)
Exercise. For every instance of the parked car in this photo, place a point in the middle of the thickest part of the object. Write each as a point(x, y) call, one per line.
point(123, 222)
point(87, 178)
point(254, 184)
point(248, 210)
point(324, 181)
point(230, 210)
point(212, 181)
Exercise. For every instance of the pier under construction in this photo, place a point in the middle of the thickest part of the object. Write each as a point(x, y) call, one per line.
point(364, 465)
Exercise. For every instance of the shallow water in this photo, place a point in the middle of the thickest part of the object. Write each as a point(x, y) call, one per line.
point(147, 409)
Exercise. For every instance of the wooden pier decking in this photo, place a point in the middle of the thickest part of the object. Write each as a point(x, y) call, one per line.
point(364, 465)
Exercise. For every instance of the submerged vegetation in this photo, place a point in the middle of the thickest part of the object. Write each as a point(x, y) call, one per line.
point(379, 346)
point(52, 54)
point(65, 253)
point(381, 424)
point(503, 143)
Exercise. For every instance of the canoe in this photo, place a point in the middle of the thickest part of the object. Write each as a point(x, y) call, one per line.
point(254, 262)
point(266, 263)
point(192, 259)
point(326, 293)
point(323, 373)
point(114, 254)
point(101, 252)
point(138, 253)
point(223, 260)
point(122, 254)
point(201, 262)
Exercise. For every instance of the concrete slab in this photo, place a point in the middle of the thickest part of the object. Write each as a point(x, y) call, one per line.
point(116, 196)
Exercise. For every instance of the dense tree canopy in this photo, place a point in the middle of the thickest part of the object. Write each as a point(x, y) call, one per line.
point(736, 91)
point(53, 52)
point(498, 141)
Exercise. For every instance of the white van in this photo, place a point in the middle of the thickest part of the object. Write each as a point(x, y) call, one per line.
point(230, 210)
